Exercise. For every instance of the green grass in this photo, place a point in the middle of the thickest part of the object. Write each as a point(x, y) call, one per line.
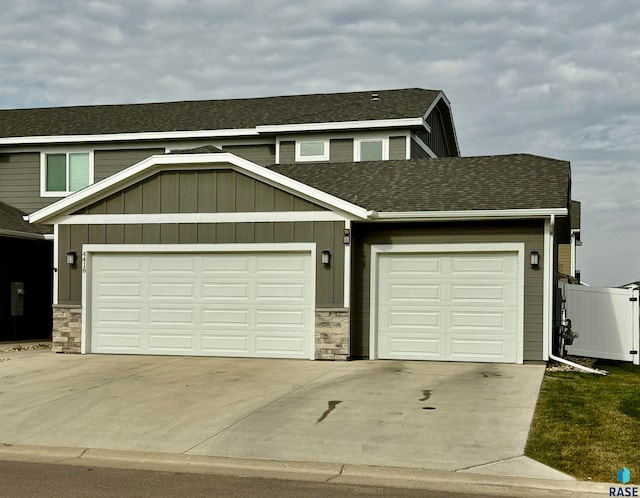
point(588, 425)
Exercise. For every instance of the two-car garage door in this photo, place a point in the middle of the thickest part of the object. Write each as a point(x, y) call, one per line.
point(455, 306)
point(252, 304)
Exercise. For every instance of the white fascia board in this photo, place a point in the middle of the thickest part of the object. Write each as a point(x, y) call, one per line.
point(119, 137)
point(22, 235)
point(152, 164)
point(160, 218)
point(464, 215)
point(340, 125)
point(444, 98)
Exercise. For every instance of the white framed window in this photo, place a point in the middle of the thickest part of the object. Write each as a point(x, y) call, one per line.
point(371, 149)
point(312, 150)
point(65, 172)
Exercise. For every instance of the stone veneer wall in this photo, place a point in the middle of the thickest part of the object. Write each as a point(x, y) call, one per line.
point(332, 333)
point(67, 327)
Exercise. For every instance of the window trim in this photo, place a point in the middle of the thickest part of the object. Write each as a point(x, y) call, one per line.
point(43, 171)
point(320, 157)
point(357, 141)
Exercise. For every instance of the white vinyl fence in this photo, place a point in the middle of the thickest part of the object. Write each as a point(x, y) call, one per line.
point(607, 319)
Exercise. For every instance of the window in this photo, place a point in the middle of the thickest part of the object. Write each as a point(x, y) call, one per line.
point(371, 149)
point(63, 173)
point(312, 150)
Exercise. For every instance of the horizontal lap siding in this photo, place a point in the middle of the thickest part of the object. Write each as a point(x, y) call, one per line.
point(531, 233)
point(109, 162)
point(263, 155)
point(397, 148)
point(20, 182)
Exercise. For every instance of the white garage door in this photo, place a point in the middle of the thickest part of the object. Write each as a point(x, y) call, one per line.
point(217, 304)
point(448, 306)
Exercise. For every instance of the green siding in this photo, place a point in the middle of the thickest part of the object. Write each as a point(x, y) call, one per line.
point(341, 150)
point(109, 162)
point(198, 191)
point(20, 182)
point(287, 152)
point(364, 235)
point(326, 235)
point(264, 155)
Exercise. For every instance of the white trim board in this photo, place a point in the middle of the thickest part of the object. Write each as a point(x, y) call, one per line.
point(234, 217)
point(513, 247)
point(89, 249)
point(151, 165)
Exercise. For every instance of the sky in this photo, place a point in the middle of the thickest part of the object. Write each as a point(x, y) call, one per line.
point(548, 77)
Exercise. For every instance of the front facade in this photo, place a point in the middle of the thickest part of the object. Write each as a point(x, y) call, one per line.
point(318, 238)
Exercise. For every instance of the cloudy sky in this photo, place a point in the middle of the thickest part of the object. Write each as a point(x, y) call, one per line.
point(548, 77)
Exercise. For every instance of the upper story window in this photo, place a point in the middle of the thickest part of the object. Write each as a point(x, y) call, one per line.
point(371, 149)
point(312, 150)
point(62, 173)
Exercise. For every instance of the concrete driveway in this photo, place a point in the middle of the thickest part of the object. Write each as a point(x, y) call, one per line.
point(430, 415)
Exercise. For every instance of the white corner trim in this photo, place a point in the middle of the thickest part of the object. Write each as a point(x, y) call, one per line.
point(548, 288)
point(233, 217)
point(347, 268)
point(476, 247)
point(340, 125)
point(54, 266)
point(117, 137)
point(420, 143)
point(153, 164)
point(482, 214)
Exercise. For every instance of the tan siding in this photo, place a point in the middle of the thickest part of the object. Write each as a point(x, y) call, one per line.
point(397, 148)
point(564, 258)
point(341, 150)
point(531, 233)
point(327, 235)
point(109, 162)
point(264, 155)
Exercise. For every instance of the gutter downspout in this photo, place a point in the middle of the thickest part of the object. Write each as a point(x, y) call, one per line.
point(548, 252)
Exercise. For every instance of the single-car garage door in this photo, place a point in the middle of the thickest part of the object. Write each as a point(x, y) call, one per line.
point(212, 304)
point(448, 306)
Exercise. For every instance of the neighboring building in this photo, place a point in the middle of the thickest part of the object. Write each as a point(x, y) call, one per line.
point(567, 252)
point(318, 226)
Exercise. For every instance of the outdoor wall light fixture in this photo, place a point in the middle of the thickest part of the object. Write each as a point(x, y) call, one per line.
point(346, 237)
point(72, 257)
point(325, 257)
point(535, 260)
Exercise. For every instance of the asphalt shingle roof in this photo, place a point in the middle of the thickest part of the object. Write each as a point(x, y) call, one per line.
point(11, 219)
point(215, 114)
point(517, 181)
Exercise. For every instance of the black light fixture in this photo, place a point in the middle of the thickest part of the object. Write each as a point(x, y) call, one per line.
point(325, 257)
point(346, 236)
point(72, 257)
point(535, 260)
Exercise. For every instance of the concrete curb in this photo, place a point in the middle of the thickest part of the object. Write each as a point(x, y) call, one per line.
point(452, 482)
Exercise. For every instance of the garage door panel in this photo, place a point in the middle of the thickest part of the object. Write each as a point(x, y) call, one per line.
point(416, 347)
point(462, 308)
point(220, 318)
point(279, 345)
point(489, 349)
point(229, 304)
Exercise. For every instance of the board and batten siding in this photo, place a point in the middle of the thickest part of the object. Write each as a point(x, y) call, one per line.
point(326, 235)
point(364, 235)
point(199, 191)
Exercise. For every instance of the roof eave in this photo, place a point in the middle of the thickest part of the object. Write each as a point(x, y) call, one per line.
point(341, 125)
point(479, 214)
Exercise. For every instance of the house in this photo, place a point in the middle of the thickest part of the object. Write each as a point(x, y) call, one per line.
point(317, 226)
point(567, 252)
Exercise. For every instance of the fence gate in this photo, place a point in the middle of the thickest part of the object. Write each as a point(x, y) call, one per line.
point(607, 319)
